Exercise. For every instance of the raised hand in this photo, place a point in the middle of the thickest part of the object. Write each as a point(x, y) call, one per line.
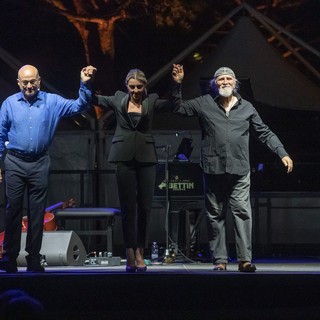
point(87, 73)
point(177, 73)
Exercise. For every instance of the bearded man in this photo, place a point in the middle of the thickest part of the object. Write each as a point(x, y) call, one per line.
point(226, 120)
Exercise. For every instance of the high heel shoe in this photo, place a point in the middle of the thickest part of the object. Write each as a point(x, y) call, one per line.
point(130, 265)
point(139, 260)
point(130, 269)
point(141, 269)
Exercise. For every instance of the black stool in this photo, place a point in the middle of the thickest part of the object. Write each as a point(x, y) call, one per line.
point(93, 213)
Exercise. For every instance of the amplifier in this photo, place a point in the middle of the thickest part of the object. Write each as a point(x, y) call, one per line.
point(104, 261)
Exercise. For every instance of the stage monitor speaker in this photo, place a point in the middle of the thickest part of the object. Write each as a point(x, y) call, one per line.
point(60, 248)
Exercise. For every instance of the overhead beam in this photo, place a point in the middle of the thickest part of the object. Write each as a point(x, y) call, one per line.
point(166, 68)
point(269, 24)
point(265, 21)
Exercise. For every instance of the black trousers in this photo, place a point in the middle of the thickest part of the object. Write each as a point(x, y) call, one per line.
point(21, 177)
point(136, 182)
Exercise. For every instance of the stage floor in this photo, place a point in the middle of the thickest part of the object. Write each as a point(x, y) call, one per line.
point(264, 266)
point(280, 289)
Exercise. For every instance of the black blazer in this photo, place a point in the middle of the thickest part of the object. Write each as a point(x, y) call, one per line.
point(133, 141)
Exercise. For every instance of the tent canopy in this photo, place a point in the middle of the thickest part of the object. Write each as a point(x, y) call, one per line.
point(275, 82)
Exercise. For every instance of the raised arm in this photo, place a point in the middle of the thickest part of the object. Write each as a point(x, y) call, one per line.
point(177, 73)
point(87, 74)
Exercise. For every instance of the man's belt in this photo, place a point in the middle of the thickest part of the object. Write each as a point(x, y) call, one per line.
point(28, 157)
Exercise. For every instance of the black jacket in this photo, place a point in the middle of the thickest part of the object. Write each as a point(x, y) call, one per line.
point(133, 141)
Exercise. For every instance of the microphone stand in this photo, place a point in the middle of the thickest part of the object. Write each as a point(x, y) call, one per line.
point(167, 206)
point(168, 258)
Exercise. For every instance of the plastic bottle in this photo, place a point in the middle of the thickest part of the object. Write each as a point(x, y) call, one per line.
point(154, 251)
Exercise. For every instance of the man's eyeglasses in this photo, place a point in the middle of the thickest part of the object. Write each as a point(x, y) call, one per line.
point(32, 82)
point(138, 86)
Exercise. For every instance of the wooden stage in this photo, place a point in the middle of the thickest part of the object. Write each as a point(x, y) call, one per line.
point(280, 289)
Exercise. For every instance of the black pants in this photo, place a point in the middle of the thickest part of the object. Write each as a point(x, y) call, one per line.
point(136, 182)
point(21, 177)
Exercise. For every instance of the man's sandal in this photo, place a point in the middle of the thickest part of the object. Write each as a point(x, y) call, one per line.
point(220, 267)
point(247, 267)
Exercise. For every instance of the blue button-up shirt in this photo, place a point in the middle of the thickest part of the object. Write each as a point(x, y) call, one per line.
point(29, 127)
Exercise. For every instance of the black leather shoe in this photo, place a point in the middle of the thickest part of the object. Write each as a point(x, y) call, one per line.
point(8, 265)
point(35, 268)
point(33, 264)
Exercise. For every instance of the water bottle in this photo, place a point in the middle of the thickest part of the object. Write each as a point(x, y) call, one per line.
point(154, 251)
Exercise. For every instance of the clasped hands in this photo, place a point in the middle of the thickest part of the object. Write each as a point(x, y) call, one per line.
point(87, 73)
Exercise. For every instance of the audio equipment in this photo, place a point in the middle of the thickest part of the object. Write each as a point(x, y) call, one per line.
point(59, 248)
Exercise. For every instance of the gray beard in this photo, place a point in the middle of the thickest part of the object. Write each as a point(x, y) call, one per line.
point(226, 92)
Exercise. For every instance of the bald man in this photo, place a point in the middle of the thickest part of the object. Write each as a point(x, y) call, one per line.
point(28, 121)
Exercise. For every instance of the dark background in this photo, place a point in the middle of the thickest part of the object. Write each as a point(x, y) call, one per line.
point(32, 32)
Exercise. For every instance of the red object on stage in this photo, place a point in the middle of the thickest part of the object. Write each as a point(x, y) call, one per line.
point(49, 223)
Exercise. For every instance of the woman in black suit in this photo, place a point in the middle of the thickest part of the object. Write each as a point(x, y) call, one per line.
point(133, 152)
